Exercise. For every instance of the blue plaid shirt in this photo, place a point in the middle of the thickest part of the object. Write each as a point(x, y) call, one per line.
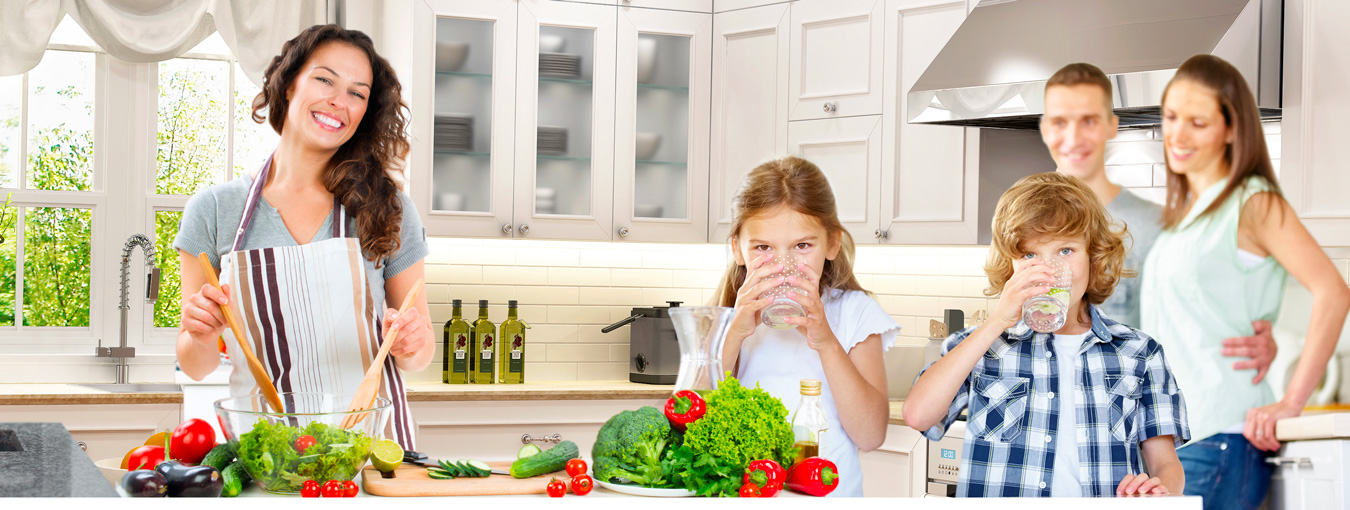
point(1125, 394)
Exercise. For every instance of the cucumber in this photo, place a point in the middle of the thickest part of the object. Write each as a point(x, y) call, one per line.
point(448, 468)
point(234, 478)
point(483, 469)
point(529, 449)
point(547, 461)
point(220, 457)
point(437, 474)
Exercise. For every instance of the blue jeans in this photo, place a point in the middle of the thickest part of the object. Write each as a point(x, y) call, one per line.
point(1227, 471)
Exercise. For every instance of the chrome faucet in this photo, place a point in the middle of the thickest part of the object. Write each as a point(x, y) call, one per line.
point(122, 352)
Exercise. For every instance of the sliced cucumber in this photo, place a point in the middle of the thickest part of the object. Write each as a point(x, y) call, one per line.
point(529, 449)
point(464, 467)
point(449, 467)
point(436, 474)
point(484, 470)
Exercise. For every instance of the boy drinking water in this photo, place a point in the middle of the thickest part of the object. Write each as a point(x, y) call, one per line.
point(1088, 410)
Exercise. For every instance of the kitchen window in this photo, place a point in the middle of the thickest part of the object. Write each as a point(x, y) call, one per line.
point(205, 135)
point(49, 211)
point(93, 150)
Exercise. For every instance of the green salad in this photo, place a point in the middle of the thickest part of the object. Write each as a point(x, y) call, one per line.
point(270, 455)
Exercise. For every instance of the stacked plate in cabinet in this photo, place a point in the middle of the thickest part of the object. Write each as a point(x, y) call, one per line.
point(454, 132)
point(559, 65)
point(552, 140)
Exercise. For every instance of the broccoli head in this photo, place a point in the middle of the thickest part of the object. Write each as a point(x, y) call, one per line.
point(630, 445)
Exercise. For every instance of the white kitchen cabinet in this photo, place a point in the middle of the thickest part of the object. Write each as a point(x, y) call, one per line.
point(1312, 171)
point(564, 181)
point(898, 469)
point(836, 53)
point(491, 430)
point(467, 189)
point(703, 6)
point(733, 5)
point(848, 152)
point(107, 430)
point(661, 126)
point(1310, 475)
point(749, 102)
point(930, 181)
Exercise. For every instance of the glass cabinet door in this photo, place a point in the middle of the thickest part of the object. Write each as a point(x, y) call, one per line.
point(472, 162)
point(661, 168)
point(565, 126)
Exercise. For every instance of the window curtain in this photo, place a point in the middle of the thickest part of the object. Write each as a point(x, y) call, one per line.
point(156, 30)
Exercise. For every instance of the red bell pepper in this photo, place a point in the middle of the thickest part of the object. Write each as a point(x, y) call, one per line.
point(766, 474)
point(685, 407)
point(813, 476)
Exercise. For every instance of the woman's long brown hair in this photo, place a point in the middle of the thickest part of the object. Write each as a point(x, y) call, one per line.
point(357, 174)
point(799, 185)
point(1246, 156)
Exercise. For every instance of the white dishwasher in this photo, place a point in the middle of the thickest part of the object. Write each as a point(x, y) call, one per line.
point(1311, 468)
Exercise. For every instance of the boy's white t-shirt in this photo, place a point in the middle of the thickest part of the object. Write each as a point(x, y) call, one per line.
point(1066, 483)
point(779, 359)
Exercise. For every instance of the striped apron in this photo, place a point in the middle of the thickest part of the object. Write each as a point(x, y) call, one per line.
point(309, 315)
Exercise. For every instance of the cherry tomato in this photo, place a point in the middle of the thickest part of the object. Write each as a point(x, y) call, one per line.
point(556, 488)
point(303, 443)
point(582, 484)
point(192, 440)
point(349, 489)
point(576, 467)
point(145, 457)
point(750, 490)
point(310, 489)
point(331, 489)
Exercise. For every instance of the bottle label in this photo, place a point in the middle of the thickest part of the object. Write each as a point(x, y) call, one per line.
point(461, 363)
point(517, 363)
point(485, 356)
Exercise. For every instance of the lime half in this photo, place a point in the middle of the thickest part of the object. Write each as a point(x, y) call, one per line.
point(386, 455)
point(1060, 294)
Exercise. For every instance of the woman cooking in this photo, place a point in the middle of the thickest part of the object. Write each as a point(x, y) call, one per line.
point(318, 245)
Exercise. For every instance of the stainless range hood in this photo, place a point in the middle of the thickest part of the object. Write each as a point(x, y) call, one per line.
point(992, 72)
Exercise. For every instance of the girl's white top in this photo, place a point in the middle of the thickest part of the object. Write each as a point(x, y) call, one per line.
point(778, 359)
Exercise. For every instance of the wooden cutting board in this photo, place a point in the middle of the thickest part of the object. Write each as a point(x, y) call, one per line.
point(412, 480)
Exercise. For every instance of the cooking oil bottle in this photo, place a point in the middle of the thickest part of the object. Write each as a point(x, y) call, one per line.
point(809, 422)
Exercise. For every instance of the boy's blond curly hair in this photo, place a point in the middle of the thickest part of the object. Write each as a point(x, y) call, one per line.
point(1052, 204)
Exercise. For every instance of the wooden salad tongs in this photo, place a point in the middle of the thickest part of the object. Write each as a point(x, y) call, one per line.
point(254, 366)
point(370, 384)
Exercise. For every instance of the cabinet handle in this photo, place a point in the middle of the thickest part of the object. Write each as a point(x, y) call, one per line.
point(506, 229)
point(882, 234)
point(524, 229)
point(1293, 461)
point(554, 438)
point(83, 447)
point(830, 107)
point(623, 231)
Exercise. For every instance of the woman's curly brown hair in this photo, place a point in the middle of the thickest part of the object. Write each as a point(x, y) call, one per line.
point(358, 173)
point(1058, 206)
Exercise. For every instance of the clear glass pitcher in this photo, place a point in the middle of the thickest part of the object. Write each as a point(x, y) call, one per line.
point(701, 330)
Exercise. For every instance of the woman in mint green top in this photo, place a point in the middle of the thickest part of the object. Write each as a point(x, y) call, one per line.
point(1229, 237)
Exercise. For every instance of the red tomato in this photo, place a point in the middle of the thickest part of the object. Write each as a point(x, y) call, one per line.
point(192, 440)
point(331, 489)
point(576, 467)
point(145, 457)
point(582, 484)
point(303, 443)
point(556, 488)
point(310, 489)
point(349, 489)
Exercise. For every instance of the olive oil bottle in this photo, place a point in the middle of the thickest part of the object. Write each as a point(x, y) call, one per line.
point(458, 362)
point(511, 358)
point(483, 344)
point(809, 422)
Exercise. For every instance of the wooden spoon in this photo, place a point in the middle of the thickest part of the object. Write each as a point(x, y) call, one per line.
point(259, 373)
point(370, 384)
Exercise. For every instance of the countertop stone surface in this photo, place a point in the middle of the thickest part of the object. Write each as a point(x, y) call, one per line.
point(46, 462)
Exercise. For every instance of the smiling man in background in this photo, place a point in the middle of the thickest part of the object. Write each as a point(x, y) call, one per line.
point(1077, 123)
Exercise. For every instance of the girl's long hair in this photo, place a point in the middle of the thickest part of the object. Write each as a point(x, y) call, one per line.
point(358, 173)
point(799, 185)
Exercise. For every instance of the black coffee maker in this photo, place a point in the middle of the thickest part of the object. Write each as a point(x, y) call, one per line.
point(653, 348)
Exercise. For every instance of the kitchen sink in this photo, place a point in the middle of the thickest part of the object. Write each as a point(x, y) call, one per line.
point(135, 387)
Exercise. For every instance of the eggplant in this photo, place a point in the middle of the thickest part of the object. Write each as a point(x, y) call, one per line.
point(144, 483)
point(190, 481)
